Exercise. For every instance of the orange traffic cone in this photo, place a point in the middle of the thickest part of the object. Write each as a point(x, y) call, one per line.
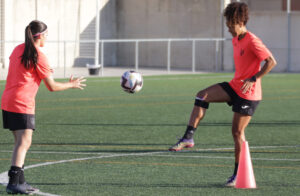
point(245, 177)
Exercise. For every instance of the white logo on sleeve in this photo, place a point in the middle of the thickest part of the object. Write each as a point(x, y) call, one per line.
point(245, 106)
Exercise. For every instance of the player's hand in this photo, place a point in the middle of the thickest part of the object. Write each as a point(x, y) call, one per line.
point(77, 82)
point(247, 86)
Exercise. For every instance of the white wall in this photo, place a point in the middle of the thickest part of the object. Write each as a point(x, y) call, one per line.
point(66, 20)
point(131, 19)
point(168, 19)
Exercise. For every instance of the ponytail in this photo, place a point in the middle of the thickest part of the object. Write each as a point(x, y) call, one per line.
point(30, 55)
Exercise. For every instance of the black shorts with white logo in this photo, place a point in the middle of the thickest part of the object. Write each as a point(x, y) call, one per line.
point(239, 105)
point(17, 121)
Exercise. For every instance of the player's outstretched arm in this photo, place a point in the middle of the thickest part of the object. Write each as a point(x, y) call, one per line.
point(52, 85)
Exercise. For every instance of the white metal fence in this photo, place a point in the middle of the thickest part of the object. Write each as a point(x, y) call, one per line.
point(169, 50)
point(99, 55)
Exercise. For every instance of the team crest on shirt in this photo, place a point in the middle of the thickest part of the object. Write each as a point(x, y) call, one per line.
point(242, 52)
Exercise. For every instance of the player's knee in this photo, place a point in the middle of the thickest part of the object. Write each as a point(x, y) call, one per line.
point(201, 94)
point(237, 134)
point(200, 100)
point(25, 143)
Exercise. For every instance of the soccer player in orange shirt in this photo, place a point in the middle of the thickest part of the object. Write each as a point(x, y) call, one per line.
point(243, 92)
point(27, 68)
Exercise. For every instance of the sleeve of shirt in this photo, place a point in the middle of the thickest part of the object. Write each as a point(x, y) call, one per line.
point(43, 68)
point(259, 49)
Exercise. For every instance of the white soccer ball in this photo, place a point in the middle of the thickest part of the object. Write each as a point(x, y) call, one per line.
point(131, 81)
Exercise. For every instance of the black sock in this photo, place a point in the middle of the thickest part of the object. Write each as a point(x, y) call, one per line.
point(236, 166)
point(14, 174)
point(22, 177)
point(189, 133)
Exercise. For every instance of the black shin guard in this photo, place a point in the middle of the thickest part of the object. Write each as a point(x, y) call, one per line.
point(189, 133)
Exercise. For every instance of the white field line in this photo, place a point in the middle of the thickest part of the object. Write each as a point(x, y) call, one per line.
point(4, 181)
point(216, 157)
point(58, 152)
point(97, 153)
point(252, 147)
point(90, 158)
point(256, 147)
point(4, 177)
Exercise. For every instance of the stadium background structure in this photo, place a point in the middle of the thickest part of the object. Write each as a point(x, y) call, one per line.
point(166, 35)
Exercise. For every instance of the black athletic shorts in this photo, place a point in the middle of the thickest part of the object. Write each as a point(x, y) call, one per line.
point(239, 105)
point(17, 121)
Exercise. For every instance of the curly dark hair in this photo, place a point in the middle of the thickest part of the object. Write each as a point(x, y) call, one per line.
point(237, 12)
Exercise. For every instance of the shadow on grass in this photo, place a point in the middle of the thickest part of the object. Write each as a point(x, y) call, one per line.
point(203, 124)
point(171, 185)
point(133, 185)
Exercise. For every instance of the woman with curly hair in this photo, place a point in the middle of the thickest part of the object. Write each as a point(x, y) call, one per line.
point(243, 93)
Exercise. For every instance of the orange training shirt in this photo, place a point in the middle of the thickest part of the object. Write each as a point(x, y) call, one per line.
point(248, 53)
point(22, 84)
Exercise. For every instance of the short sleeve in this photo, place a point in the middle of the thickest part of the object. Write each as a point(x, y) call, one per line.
point(259, 49)
point(43, 68)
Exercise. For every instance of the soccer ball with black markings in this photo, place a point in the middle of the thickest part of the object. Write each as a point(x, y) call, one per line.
point(131, 81)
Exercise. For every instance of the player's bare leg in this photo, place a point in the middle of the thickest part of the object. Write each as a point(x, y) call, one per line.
point(239, 124)
point(17, 182)
point(22, 144)
point(214, 93)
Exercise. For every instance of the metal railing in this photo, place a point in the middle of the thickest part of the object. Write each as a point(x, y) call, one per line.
point(169, 41)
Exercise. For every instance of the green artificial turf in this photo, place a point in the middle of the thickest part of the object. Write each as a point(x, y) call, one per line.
point(116, 143)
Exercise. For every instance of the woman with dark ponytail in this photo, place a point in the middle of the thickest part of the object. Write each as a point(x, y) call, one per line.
point(27, 68)
point(30, 52)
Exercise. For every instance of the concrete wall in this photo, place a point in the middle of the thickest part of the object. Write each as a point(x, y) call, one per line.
point(108, 30)
point(132, 19)
point(66, 20)
point(271, 28)
point(167, 19)
point(2, 25)
point(275, 38)
point(138, 19)
point(295, 42)
point(264, 5)
point(181, 19)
